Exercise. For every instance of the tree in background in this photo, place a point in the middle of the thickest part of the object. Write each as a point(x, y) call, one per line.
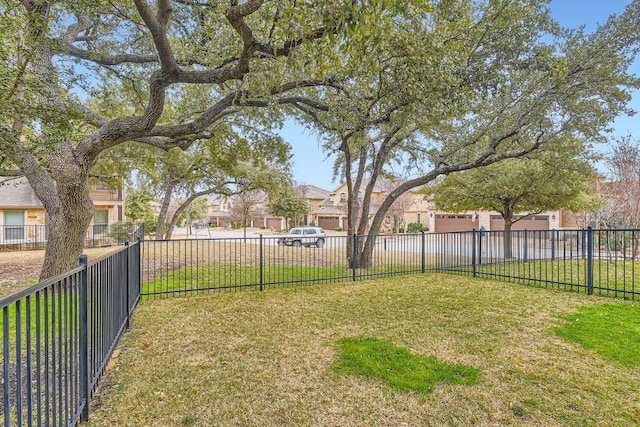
point(398, 210)
point(138, 208)
point(471, 86)
point(526, 187)
point(289, 205)
point(193, 212)
point(623, 188)
point(223, 164)
point(245, 205)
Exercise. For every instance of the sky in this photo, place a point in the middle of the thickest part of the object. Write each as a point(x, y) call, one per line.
point(311, 165)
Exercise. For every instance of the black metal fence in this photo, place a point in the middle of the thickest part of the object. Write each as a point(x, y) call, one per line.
point(58, 335)
point(30, 237)
point(600, 262)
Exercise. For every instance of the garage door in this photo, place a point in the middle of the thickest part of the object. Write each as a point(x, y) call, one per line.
point(536, 222)
point(454, 222)
point(328, 222)
point(274, 223)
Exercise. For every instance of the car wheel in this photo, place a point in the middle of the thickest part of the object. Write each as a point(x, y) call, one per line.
point(319, 243)
point(296, 244)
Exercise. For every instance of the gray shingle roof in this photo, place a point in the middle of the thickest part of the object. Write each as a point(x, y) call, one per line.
point(313, 192)
point(17, 193)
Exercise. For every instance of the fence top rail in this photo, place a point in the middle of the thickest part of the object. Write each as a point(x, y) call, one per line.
point(31, 290)
point(110, 254)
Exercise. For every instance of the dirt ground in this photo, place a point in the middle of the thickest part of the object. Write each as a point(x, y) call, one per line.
point(20, 269)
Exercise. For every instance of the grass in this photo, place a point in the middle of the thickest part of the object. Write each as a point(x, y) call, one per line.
point(265, 358)
point(403, 370)
point(611, 330)
point(611, 278)
point(190, 279)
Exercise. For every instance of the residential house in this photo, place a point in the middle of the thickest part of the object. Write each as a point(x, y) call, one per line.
point(23, 217)
point(315, 197)
point(332, 213)
point(221, 212)
point(221, 209)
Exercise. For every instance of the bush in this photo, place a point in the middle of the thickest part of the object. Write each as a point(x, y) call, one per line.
point(119, 231)
point(416, 227)
point(262, 227)
point(338, 228)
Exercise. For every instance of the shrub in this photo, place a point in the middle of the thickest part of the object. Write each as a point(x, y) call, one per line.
point(119, 231)
point(338, 228)
point(415, 227)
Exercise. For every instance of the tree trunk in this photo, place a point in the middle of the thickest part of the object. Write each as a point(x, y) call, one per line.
point(164, 210)
point(508, 240)
point(65, 241)
point(70, 209)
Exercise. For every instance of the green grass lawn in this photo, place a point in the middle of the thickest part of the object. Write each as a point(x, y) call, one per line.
point(610, 278)
point(270, 358)
point(193, 279)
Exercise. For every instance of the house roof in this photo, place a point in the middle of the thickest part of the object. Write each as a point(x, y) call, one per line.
point(17, 193)
point(365, 182)
point(313, 192)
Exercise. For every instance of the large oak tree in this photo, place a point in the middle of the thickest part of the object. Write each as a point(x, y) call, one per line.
point(474, 84)
point(212, 58)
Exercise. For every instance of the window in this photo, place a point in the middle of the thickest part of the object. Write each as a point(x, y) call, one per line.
point(100, 221)
point(343, 197)
point(418, 219)
point(102, 187)
point(101, 217)
point(14, 225)
point(310, 231)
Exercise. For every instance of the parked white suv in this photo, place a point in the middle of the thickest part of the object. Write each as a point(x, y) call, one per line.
point(303, 236)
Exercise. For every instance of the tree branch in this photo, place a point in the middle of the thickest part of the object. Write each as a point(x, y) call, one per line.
point(157, 25)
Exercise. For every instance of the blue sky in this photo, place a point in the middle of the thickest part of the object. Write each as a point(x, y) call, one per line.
point(312, 167)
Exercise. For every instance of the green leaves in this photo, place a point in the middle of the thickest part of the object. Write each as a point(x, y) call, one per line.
point(529, 185)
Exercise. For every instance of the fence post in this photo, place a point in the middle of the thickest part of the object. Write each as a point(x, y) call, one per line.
point(139, 270)
point(525, 254)
point(423, 251)
point(473, 251)
point(128, 291)
point(354, 261)
point(84, 339)
point(481, 235)
point(590, 241)
point(553, 244)
point(261, 263)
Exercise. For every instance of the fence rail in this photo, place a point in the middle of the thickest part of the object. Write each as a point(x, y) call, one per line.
point(58, 335)
point(30, 237)
point(600, 262)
